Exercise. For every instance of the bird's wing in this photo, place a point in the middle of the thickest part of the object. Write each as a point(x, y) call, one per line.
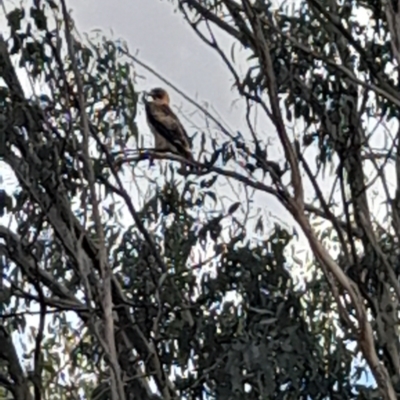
point(167, 124)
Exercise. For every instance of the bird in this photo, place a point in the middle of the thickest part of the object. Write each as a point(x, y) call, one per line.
point(168, 131)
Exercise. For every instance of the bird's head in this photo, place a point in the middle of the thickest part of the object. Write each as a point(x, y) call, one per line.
point(159, 96)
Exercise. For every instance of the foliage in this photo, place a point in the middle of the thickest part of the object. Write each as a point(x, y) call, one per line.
point(170, 289)
point(329, 67)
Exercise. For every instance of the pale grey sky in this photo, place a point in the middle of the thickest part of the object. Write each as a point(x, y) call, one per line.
point(166, 42)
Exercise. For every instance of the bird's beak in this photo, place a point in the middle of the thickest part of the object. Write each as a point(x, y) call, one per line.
point(146, 95)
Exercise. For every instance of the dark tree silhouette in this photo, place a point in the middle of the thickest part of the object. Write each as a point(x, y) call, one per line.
point(129, 282)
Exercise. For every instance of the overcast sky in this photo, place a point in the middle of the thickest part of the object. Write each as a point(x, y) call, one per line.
point(166, 42)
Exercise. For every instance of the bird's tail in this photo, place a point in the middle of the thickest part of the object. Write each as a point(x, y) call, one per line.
point(187, 168)
point(189, 155)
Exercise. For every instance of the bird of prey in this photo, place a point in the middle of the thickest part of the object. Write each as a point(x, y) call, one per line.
point(168, 131)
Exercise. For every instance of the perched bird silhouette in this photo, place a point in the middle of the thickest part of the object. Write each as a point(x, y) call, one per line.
point(169, 134)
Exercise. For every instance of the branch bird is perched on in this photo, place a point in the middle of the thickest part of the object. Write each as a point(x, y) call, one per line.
point(168, 131)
